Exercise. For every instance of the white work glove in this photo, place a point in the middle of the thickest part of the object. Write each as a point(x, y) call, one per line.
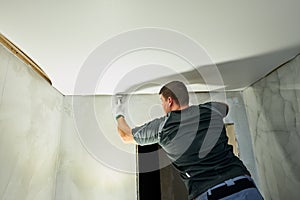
point(118, 107)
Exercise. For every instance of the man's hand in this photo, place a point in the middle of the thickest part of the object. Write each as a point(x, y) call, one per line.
point(118, 105)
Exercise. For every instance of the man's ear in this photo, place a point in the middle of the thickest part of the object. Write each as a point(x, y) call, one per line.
point(170, 101)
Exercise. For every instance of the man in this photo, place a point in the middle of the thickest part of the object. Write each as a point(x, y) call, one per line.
point(194, 138)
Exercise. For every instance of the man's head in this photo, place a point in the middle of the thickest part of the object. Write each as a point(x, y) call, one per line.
point(174, 96)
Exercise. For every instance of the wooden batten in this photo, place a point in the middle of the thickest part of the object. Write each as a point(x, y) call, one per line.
point(20, 54)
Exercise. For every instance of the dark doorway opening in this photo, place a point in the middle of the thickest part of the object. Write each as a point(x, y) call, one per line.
point(148, 179)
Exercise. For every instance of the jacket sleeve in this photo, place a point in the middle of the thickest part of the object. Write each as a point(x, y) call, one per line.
point(148, 133)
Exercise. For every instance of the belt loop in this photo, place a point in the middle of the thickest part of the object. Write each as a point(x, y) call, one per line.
point(229, 182)
point(209, 192)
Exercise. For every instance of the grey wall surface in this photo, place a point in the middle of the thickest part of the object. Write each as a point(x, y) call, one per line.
point(273, 109)
point(94, 162)
point(30, 124)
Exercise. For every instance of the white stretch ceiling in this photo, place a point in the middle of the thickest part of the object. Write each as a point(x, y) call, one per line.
point(245, 39)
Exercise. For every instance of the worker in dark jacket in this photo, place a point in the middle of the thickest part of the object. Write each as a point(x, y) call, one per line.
point(195, 140)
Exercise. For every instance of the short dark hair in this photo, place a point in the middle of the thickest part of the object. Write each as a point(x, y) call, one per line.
point(177, 90)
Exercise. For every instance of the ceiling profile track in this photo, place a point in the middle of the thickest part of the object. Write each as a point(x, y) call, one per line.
point(20, 54)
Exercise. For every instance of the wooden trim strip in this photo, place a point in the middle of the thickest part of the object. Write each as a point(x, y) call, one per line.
point(20, 54)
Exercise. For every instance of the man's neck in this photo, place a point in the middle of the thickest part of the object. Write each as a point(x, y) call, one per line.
point(177, 107)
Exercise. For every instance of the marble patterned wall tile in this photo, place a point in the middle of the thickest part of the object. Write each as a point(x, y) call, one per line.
point(92, 162)
point(5, 57)
point(30, 121)
point(273, 111)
